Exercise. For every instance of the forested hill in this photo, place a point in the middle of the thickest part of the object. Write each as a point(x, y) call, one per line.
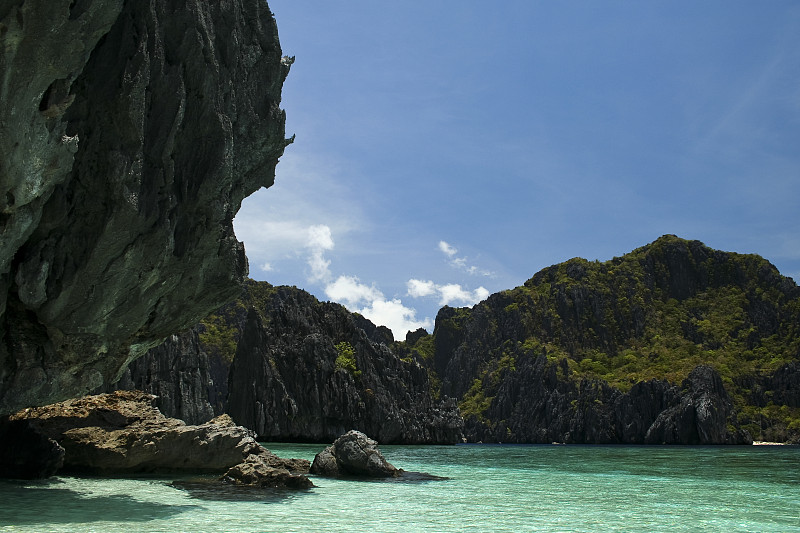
point(603, 352)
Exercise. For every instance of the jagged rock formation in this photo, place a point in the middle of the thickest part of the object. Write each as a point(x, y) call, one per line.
point(353, 454)
point(768, 394)
point(186, 373)
point(594, 352)
point(260, 471)
point(309, 371)
point(590, 411)
point(673, 343)
point(130, 133)
point(178, 373)
point(123, 433)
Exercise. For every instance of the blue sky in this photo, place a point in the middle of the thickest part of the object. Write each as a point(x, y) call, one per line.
point(447, 150)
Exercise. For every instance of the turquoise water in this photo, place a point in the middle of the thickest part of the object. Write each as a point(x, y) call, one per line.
point(490, 488)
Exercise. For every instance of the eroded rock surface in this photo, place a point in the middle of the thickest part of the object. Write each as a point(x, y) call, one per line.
point(130, 133)
point(307, 370)
point(262, 470)
point(353, 454)
point(124, 433)
point(177, 372)
point(674, 342)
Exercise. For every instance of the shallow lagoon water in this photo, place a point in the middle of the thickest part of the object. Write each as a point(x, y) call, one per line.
point(489, 488)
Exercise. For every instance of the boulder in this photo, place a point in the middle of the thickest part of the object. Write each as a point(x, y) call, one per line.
point(353, 454)
point(257, 470)
point(122, 433)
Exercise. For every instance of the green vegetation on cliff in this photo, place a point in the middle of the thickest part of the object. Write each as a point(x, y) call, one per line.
point(220, 331)
point(346, 358)
point(587, 333)
point(655, 313)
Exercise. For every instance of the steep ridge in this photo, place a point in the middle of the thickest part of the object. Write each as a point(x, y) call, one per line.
point(293, 368)
point(130, 133)
point(310, 371)
point(674, 342)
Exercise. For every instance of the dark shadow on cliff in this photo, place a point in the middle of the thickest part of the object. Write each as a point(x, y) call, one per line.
point(26, 503)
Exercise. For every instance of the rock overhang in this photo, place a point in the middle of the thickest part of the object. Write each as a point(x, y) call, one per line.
point(126, 152)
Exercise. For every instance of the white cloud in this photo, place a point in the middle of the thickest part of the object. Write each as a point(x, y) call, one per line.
point(293, 237)
point(370, 302)
point(448, 293)
point(268, 240)
point(395, 316)
point(319, 237)
point(418, 288)
point(481, 293)
point(309, 190)
point(319, 241)
point(350, 291)
point(460, 263)
point(448, 250)
point(453, 292)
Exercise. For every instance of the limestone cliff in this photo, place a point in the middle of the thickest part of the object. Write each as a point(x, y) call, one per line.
point(130, 133)
point(674, 342)
point(306, 370)
point(178, 374)
point(293, 368)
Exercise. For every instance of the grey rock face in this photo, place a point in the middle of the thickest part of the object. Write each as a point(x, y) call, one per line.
point(700, 417)
point(781, 387)
point(353, 454)
point(539, 406)
point(177, 373)
point(130, 133)
point(285, 382)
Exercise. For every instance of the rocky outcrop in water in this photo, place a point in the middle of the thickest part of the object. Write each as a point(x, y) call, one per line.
point(123, 433)
point(674, 342)
point(130, 133)
point(353, 454)
point(701, 416)
point(309, 371)
point(258, 471)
